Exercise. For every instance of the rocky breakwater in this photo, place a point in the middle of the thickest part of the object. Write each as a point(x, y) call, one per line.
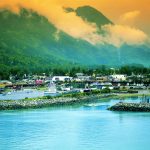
point(41, 102)
point(38, 103)
point(132, 107)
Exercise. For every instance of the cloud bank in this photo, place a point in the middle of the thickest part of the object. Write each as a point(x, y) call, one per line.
point(118, 35)
point(130, 18)
point(73, 25)
point(54, 12)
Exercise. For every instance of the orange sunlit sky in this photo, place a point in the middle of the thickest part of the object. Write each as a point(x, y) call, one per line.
point(133, 14)
point(113, 9)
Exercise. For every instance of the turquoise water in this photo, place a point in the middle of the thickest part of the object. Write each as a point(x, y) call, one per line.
point(17, 95)
point(21, 95)
point(74, 128)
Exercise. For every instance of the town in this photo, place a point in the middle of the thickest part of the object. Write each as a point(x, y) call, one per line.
point(80, 82)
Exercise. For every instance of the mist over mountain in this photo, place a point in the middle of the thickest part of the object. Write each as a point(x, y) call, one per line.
point(29, 40)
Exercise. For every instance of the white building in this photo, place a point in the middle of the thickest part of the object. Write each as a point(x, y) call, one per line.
point(82, 77)
point(118, 77)
point(61, 78)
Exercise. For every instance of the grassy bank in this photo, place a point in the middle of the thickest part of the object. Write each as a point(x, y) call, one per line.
point(123, 96)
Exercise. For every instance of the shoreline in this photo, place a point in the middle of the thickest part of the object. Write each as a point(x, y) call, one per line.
point(61, 100)
point(41, 102)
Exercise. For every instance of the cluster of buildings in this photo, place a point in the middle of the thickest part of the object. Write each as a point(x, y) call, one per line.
point(115, 81)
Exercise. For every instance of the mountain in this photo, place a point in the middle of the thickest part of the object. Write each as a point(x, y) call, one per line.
point(29, 35)
point(91, 15)
point(30, 42)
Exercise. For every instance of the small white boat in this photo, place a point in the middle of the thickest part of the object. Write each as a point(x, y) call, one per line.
point(91, 105)
point(9, 93)
point(28, 90)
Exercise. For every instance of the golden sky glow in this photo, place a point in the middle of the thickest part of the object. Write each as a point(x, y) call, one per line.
point(113, 9)
point(128, 15)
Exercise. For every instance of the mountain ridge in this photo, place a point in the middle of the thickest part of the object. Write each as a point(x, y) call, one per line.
point(28, 41)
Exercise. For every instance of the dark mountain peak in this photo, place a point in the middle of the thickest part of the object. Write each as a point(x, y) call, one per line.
point(92, 15)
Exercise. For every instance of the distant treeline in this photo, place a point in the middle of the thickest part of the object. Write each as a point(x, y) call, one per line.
point(19, 72)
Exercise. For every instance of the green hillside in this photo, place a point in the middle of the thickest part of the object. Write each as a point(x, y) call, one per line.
point(29, 42)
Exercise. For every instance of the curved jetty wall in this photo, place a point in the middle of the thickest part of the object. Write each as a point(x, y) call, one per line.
point(39, 103)
point(133, 107)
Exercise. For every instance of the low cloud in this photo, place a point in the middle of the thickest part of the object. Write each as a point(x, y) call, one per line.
point(118, 35)
point(130, 18)
point(54, 11)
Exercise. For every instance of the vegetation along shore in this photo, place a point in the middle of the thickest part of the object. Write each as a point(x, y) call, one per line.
point(65, 99)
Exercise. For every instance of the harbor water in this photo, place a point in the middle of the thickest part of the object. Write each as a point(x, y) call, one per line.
point(81, 127)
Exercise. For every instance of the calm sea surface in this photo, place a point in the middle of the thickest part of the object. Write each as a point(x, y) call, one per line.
point(22, 95)
point(85, 127)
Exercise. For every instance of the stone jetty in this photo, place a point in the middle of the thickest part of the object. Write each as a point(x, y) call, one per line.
point(39, 103)
point(132, 107)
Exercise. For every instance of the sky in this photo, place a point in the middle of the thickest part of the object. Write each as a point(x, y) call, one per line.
point(114, 9)
point(131, 18)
